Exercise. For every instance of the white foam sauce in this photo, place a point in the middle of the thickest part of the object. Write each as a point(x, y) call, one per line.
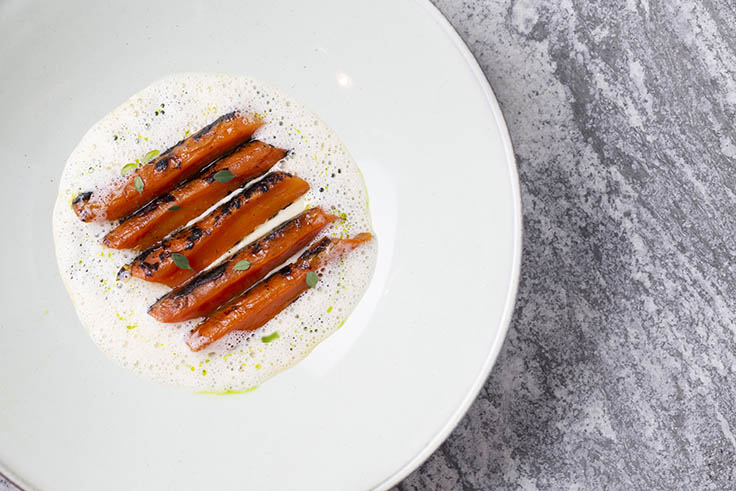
point(115, 313)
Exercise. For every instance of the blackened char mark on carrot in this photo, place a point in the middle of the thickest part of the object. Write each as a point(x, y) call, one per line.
point(149, 268)
point(256, 246)
point(225, 117)
point(195, 233)
point(163, 163)
point(209, 177)
point(82, 197)
point(198, 135)
point(302, 262)
point(151, 265)
point(201, 279)
point(164, 198)
point(266, 183)
point(145, 261)
point(227, 208)
point(313, 251)
point(262, 186)
point(316, 249)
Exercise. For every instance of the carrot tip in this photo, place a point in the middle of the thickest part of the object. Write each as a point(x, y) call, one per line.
point(363, 237)
point(124, 273)
point(195, 341)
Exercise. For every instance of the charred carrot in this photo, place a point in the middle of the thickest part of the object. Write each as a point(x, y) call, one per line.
point(202, 294)
point(262, 302)
point(179, 257)
point(163, 173)
point(172, 210)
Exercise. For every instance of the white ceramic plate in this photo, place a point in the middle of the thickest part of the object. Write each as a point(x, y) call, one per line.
point(368, 405)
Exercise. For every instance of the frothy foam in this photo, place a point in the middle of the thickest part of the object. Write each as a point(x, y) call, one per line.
point(115, 313)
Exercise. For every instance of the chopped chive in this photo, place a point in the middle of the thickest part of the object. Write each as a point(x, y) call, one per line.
point(312, 279)
point(241, 265)
point(223, 176)
point(270, 337)
point(180, 260)
point(174, 208)
point(138, 184)
point(150, 155)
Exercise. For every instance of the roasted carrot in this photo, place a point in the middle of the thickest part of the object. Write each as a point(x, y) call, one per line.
point(179, 257)
point(202, 294)
point(262, 302)
point(163, 173)
point(172, 210)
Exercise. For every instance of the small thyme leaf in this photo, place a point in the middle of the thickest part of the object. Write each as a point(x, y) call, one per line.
point(138, 184)
point(223, 176)
point(241, 265)
point(312, 279)
point(174, 208)
point(180, 260)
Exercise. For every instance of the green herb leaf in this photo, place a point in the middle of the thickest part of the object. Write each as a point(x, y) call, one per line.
point(174, 208)
point(270, 337)
point(128, 168)
point(180, 260)
point(150, 155)
point(223, 176)
point(312, 279)
point(241, 265)
point(138, 184)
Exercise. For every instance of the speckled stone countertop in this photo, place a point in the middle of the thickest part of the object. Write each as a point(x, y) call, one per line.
point(618, 370)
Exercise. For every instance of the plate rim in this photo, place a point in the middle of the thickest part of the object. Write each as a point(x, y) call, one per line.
point(440, 436)
point(407, 468)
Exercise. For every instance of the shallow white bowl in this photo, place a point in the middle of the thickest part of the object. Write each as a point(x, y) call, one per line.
point(368, 405)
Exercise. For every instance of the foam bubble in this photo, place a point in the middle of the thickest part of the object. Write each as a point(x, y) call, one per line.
point(115, 313)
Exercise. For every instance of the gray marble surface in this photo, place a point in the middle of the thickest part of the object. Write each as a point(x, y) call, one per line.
point(618, 369)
